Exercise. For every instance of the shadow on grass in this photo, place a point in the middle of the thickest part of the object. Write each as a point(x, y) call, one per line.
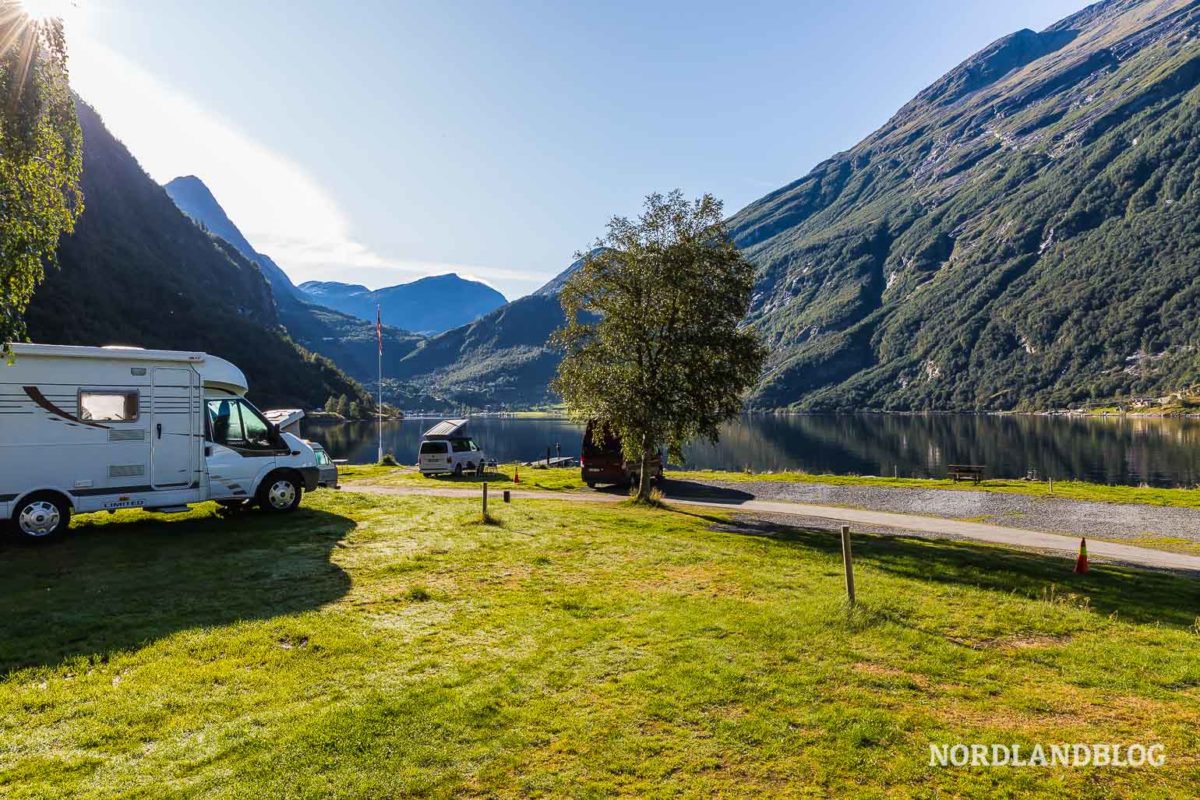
point(1135, 595)
point(112, 586)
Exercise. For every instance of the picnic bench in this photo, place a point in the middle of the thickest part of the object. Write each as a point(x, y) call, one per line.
point(964, 471)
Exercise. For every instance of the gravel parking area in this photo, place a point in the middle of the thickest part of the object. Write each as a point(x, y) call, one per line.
point(1103, 520)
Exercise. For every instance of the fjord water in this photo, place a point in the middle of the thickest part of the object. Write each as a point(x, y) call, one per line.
point(1119, 450)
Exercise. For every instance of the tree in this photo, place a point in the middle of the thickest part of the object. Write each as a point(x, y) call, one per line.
point(41, 159)
point(654, 347)
point(355, 410)
point(331, 405)
point(343, 406)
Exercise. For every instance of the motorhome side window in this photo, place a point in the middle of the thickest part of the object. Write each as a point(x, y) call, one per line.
point(235, 423)
point(108, 406)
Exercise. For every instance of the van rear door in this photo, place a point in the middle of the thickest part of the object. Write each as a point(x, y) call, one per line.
point(434, 456)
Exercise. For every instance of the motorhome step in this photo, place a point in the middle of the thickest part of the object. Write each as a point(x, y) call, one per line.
point(170, 509)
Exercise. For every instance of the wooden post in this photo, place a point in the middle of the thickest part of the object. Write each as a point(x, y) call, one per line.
point(485, 498)
point(848, 560)
point(547, 456)
point(1051, 484)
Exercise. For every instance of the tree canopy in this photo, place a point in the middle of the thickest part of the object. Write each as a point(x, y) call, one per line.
point(41, 158)
point(654, 347)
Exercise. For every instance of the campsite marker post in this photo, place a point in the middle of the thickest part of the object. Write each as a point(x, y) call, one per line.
point(848, 560)
point(485, 498)
point(379, 409)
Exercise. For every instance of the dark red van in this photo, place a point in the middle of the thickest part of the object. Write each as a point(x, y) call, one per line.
point(605, 463)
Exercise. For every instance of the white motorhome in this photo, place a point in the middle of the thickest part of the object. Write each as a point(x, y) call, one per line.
point(100, 428)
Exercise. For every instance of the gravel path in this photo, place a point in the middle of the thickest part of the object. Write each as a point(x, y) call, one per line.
point(1075, 517)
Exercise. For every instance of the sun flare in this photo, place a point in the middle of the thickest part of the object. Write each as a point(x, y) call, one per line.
point(41, 10)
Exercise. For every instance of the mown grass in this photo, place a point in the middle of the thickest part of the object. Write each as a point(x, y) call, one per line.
point(385, 647)
point(558, 479)
point(569, 479)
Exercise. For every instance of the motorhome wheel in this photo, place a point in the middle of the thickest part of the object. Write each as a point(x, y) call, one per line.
point(41, 517)
point(279, 493)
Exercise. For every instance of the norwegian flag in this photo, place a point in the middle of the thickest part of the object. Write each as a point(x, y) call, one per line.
point(379, 328)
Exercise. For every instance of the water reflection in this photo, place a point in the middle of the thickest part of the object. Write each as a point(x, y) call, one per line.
point(1160, 452)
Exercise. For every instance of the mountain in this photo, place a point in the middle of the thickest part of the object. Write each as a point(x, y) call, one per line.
point(1022, 234)
point(194, 199)
point(136, 271)
point(428, 305)
point(500, 359)
point(346, 340)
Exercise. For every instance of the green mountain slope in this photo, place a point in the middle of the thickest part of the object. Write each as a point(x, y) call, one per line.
point(136, 271)
point(1024, 233)
point(501, 359)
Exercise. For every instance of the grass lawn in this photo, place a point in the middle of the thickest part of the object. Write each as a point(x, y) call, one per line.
point(393, 646)
point(554, 480)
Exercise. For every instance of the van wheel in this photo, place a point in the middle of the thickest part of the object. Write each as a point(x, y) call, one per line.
point(279, 493)
point(458, 470)
point(41, 517)
point(591, 484)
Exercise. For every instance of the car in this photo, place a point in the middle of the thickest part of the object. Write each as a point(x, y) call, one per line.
point(604, 462)
point(327, 470)
point(447, 450)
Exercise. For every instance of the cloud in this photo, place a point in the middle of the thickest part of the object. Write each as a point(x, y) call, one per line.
point(277, 204)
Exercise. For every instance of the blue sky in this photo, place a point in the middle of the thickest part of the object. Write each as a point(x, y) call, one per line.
point(376, 142)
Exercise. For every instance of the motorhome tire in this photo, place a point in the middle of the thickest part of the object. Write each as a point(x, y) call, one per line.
point(279, 492)
point(458, 470)
point(41, 517)
point(591, 484)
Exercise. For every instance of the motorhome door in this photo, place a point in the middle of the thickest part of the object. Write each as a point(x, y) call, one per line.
point(174, 420)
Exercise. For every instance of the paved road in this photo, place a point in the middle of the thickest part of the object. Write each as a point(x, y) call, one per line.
point(935, 526)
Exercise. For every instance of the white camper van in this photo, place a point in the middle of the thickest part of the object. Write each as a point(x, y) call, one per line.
point(101, 428)
point(446, 449)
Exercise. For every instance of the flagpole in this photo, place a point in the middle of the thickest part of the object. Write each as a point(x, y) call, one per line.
point(379, 409)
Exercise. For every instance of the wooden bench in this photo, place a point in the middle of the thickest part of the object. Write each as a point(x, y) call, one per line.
point(962, 471)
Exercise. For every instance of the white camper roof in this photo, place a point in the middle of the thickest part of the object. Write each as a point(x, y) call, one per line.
point(214, 371)
point(446, 429)
point(284, 417)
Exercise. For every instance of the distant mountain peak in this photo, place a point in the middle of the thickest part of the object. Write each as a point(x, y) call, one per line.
point(431, 304)
point(193, 197)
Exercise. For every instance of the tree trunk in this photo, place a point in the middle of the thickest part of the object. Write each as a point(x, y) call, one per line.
point(644, 476)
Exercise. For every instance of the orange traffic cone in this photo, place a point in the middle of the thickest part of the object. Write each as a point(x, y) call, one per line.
point(516, 473)
point(1081, 564)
